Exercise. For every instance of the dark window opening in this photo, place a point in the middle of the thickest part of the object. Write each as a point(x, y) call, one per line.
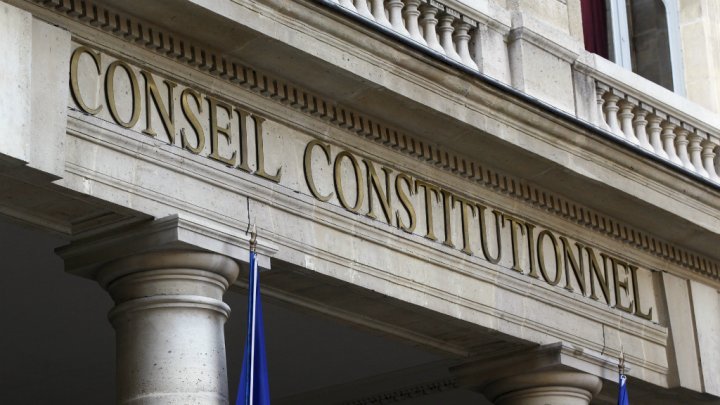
point(645, 33)
point(649, 41)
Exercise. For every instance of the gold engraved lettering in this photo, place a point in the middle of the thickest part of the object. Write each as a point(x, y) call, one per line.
point(74, 85)
point(242, 122)
point(531, 250)
point(515, 224)
point(568, 259)
point(383, 196)
point(307, 159)
point(575, 263)
point(358, 182)
point(484, 235)
point(192, 118)
point(620, 285)
point(602, 279)
point(216, 130)
point(110, 93)
point(464, 217)
point(430, 190)
point(541, 257)
point(260, 152)
point(447, 210)
point(405, 201)
point(636, 294)
point(167, 115)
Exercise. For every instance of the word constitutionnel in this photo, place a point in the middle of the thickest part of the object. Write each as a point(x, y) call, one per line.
point(549, 257)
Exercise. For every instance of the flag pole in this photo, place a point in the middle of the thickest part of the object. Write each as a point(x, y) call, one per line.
point(254, 386)
point(252, 302)
point(622, 380)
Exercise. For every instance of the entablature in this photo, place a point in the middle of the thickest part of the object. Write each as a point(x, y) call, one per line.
point(439, 153)
point(497, 133)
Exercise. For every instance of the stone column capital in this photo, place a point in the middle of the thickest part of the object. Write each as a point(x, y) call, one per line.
point(146, 241)
point(541, 375)
point(556, 387)
point(191, 279)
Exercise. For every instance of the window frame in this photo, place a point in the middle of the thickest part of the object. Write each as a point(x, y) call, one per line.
point(620, 40)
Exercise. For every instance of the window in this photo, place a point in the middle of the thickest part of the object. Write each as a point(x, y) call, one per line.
point(639, 35)
point(594, 22)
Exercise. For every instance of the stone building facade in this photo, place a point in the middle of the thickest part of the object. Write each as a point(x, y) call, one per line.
point(456, 202)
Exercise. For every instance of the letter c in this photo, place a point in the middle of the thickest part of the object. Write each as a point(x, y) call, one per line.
point(74, 86)
point(308, 168)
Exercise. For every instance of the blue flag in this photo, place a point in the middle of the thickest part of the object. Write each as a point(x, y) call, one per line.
point(622, 393)
point(254, 384)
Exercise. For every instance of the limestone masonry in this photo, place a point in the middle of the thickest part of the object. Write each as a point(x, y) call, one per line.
point(457, 202)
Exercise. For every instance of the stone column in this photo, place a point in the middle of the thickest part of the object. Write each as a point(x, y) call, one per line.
point(167, 278)
point(168, 318)
point(551, 387)
point(542, 375)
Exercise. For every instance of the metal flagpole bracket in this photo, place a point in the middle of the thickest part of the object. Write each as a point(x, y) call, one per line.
point(621, 361)
point(253, 239)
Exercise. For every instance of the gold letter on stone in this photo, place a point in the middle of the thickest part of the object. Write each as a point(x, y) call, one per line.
point(636, 293)
point(484, 234)
point(74, 85)
point(464, 218)
point(260, 152)
point(216, 130)
point(359, 189)
point(307, 159)
point(383, 196)
point(430, 190)
point(167, 115)
point(602, 279)
point(620, 285)
point(192, 118)
point(110, 93)
point(541, 257)
point(576, 264)
point(405, 201)
point(242, 122)
point(515, 224)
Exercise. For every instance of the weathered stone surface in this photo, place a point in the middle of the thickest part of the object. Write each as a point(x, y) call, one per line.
point(376, 169)
point(16, 26)
point(34, 101)
point(706, 306)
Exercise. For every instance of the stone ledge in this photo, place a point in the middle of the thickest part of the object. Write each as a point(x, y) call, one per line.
point(85, 257)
